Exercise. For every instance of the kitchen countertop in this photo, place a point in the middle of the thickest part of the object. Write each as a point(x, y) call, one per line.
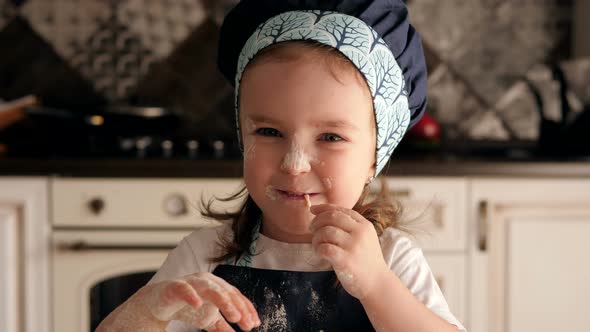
point(414, 166)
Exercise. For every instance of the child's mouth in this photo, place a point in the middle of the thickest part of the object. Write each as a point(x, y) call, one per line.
point(293, 195)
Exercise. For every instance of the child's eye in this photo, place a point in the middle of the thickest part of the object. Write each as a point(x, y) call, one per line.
point(331, 137)
point(267, 132)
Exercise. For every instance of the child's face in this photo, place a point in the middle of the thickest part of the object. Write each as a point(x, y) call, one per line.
point(304, 130)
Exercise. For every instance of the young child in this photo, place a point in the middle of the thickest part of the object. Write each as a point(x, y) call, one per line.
point(325, 90)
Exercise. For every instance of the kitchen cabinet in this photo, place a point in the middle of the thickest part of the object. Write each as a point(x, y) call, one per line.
point(507, 252)
point(528, 259)
point(24, 243)
point(436, 210)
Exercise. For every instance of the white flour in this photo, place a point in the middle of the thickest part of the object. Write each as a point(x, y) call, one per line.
point(271, 193)
point(296, 159)
point(276, 317)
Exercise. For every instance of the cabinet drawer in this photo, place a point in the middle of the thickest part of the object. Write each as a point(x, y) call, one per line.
point(435, 207)
point(85, 202)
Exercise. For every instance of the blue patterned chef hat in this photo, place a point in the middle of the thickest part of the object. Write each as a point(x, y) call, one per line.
point(390, 85)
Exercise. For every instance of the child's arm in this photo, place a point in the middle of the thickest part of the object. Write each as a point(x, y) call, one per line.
point(350, 243)
point(392, 307)
point(196, 299)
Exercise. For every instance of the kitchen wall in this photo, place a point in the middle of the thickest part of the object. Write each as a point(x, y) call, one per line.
point(76, 53)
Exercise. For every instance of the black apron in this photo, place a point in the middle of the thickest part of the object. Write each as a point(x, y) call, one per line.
point(297, 301)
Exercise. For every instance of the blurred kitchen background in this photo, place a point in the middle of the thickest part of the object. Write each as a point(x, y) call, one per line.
point(114, 121)
point(496, 72)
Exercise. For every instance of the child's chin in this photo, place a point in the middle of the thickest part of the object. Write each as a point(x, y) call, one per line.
point(297, 223)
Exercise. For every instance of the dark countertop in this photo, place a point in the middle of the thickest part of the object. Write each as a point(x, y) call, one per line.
point(415, 166)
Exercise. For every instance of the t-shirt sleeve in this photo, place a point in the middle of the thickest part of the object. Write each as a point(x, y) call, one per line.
point(180, 261)
point(410, 265)
point(191, 255)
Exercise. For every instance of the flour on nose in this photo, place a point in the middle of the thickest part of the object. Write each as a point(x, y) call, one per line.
point(296, 159)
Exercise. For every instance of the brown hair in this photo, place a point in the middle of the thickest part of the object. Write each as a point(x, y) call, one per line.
point(382, 210)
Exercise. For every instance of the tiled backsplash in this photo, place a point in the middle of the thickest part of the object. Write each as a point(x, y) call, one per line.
point(156, 52)
point(479, 50)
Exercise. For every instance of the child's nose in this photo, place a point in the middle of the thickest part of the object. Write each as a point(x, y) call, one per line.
point(296, 160)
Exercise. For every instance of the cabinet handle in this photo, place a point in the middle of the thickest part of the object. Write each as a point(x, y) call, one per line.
point(381, 186)
point(482, 228)
point(438, 216)
point(96, 205)
point(441, 283)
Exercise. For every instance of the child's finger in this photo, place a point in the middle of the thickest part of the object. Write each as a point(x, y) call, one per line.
point(221, 326)
point(319, 208)
point(334, 218)
point(185, 292)
point(248, 320)
point(218, 296)
point(333, 254)
point(333, 235)
point(351, 213)
point(220, 293)
point(250, 307)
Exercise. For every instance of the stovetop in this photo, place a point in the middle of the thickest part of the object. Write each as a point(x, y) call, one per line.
point(138, 147)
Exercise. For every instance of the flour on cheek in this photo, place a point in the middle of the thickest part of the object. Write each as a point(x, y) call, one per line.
point(327, 183)
point(271, 193)
point(250, 146)
point(249, 141)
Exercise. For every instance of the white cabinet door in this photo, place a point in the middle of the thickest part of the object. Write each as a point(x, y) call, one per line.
point(24, 261)
point(450, 273)
point(436, 209)
point(529, 264)
point(10, 307)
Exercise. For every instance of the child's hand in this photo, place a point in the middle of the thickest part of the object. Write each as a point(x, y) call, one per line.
point(196, 299)
point(350, 243)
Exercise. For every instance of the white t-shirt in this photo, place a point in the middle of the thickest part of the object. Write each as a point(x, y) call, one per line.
point(406, 261)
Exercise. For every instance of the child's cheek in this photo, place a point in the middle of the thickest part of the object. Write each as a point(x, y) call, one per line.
point(327, 182)
point(249, 148)
point(249, 140)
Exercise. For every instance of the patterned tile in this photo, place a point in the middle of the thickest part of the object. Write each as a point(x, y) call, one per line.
point(485, 126)
point(189, 82)
point(444, 24)
point(163, 52)
point(578, 75)
point(113, 58)
point(512, 38)
point(30, 65)
point(161, 25)
point(451, 102)
point(65, 23)
point(519, 111)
